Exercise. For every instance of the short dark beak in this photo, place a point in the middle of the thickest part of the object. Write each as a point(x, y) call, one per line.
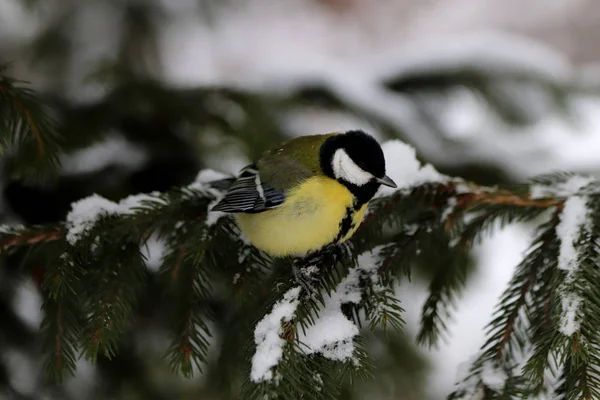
point(387, 181)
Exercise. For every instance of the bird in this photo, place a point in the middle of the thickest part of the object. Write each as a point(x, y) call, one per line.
point(308, 194)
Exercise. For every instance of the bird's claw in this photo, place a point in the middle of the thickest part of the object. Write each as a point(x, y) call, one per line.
point(343, 251)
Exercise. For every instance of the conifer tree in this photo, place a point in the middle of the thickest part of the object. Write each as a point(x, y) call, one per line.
point(147, 295)
point(243, 320)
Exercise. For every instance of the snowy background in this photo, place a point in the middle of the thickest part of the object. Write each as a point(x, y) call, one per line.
point(351, 47)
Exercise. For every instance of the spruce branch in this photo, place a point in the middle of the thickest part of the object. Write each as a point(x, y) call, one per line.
point(549, 312)
point(407, 229)
point(187, 276)
point(444, 289)
point(300, 335)
point(573, 335)
point(111, 295)
point(507, 333)
point(27, 127)
point(62, 316)
point(400, 209)
point(383, 309)
point(245, 271)
point(30, 239)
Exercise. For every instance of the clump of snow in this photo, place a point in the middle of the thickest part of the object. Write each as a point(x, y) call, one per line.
point(213, 216)
point(405, 169)
point(493, 376)
point(201, 184)
point(309, 271)
point(332, 333)
point(469, 380)
point(267, 336)
point(203, 179)
point(367, 265)
point(569, 321)
point(467, 383)
point(86, 212)
point(130, 203)
point(114, 150)
point(318, 380)
point(10, 228)
point(563, 189)
point(573, 219)
point(573, 223)
point(153, 252)
point(206, 176)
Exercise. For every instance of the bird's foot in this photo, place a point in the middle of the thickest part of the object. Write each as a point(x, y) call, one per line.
point(343, 251)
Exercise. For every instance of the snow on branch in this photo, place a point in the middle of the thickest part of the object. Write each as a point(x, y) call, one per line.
point(545, 319)
point(86, 212)
point(574, 223)
point(560, 186)
point(429, 212)
point(332, 333)
point(405, 169)
point(267, 336)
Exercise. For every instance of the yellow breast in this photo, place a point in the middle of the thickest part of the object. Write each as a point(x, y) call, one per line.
point(309, 219)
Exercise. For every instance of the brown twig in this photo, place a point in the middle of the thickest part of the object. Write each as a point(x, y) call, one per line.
point(185, 347)
point(505, 198)
point(31, 238)
point(58, 351)
point(546, 309)
point(470, 200)
point(175, 272)
point(585, 382)
point(32, 126)
point(513, 317)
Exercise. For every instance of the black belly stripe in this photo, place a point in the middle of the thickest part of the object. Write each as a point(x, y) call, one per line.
point(346, 224)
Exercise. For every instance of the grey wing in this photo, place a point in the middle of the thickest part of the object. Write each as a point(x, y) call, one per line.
point(249, 194)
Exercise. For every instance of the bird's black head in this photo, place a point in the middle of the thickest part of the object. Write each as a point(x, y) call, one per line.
point(356, 160)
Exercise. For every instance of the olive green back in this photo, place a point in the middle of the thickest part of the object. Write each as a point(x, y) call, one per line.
point(292, 162)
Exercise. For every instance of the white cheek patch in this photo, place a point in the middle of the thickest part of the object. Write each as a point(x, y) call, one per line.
point(346, 169)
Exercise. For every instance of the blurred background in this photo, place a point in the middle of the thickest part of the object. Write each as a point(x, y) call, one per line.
point(147, 93)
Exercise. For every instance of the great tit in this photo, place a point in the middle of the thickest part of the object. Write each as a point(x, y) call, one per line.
point(309, 193)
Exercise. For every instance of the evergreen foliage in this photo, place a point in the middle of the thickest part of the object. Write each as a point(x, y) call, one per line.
point(103, 303)
point(27, 128)
point(94, 275)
